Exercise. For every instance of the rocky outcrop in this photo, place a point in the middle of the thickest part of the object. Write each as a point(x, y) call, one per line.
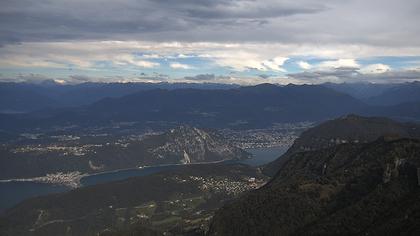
point(194, 145)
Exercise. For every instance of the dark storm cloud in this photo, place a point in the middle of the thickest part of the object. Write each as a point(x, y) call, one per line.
point(373, 22)
point(45, 20)
point(235, 10)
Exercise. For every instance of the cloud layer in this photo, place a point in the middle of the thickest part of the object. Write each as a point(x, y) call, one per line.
point(162, 20)
point(291, 40)
point(290, 21)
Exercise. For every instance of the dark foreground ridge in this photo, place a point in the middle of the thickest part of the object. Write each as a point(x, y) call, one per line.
point(347, 129)
point(349, 189)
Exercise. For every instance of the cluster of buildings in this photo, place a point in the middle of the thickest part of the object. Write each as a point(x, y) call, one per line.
point(69, 179)
point(226, 185)
point(81, 150)
point(279, 135)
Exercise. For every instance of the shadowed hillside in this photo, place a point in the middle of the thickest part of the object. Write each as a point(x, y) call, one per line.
point(176, 202)
point(347, 129)
point(349, 189)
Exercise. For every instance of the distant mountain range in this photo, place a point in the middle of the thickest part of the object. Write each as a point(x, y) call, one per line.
point(336, 181)
point(248, 106)
point(380, 94)
point(245, 107)
point(27, 97)
point(201, 105)
point(360, 91)
point(402, 93)
point(24, 97)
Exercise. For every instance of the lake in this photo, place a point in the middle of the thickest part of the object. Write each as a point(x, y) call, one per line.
point(11, 193)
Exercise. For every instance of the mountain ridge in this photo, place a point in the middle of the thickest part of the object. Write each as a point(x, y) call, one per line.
point(402, 93)
point(346, 129)
point(244, 107)
point(353, 188)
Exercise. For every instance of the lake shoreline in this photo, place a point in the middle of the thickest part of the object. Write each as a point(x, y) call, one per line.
point(13, 191)
point(77, 177)
point(72, 179)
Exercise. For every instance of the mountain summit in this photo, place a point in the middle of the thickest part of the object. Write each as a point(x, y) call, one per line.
point(347, 129)
point(192, 145)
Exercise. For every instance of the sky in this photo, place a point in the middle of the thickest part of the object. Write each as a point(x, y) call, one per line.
point(216, 41)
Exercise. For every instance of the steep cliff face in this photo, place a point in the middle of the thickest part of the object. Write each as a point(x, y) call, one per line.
point(194, 145)
point(356, 189)
point(348, 129)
